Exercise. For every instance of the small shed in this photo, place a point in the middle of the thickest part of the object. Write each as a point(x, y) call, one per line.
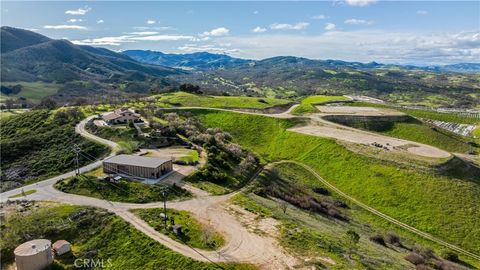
point(61, 247)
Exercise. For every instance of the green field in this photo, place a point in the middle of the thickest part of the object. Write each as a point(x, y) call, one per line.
point(123, 191)
point(443, 206)
point(33, 91)
point(194, 234)
point(307, 105)
point(182, 99)
point(94, 234)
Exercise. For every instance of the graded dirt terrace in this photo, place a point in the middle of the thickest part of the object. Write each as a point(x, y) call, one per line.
point(360, 111)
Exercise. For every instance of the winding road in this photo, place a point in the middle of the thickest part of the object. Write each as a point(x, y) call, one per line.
point(241, 245)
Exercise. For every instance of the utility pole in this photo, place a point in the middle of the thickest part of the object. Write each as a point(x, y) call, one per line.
point(77, 150)
point(164, 207)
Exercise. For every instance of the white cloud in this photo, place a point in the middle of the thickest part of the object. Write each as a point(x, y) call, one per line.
point(162, 38)
point(422, 12)
point(151, 21)
point(75, 20)
point(330, 26)
point(365, 46)
point(259, 29)
point(286, 26)
point(103, 41)
point(319, 17)
point(217, 32)
point(255, 12)
point(360, 3)
point(207, 48)
point(130, 38)
point(144, 33)
point(100, 21)
point(65, 26)
point(358, 22)
point(80, 11)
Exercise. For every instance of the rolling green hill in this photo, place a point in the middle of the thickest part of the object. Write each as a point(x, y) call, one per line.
point(38, 143)
point(438, 204)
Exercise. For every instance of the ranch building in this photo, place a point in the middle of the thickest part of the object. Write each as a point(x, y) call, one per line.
point(137, 166)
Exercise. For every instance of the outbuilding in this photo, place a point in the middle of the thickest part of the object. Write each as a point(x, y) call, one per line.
point(61, 247)
point(138, 166)
point(34, 255)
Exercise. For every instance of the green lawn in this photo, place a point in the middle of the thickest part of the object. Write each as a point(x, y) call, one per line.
point(190, 158)
point(307, 105)
point(94, 234)
point(182, 99)
point(33, 91)
point(443, 206)
point(194, 234)
point(124, 191)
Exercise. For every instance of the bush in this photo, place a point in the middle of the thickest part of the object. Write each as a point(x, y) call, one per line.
point(378, 239)
point(415, 258)
point(321, 190)
point(450, 255)
point(393, 239)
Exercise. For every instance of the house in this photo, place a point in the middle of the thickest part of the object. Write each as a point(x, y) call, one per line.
point(61, 247)
point(121, 116)
point(137, 166)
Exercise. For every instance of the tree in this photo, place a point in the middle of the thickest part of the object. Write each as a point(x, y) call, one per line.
point(47, 103)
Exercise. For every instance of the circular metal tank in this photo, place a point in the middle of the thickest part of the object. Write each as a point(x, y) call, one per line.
point(34, 255)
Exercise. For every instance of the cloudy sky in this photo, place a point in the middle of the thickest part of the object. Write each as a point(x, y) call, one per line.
point(414, 32)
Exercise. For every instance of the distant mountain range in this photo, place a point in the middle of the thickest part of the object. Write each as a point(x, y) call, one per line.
point(85, 71)
point(28, 56)
point(205, 60)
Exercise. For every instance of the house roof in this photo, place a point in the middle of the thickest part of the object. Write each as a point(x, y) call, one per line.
point(110, 116)
point(149, 162)
point(60, 243)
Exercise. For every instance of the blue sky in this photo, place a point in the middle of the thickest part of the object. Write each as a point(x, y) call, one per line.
point(428, 32)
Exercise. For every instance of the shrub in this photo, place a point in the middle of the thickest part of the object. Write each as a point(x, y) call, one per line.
point(415, 258)
point(450, 255)
point(378, 239)
point(321, 190)
point(393, 239)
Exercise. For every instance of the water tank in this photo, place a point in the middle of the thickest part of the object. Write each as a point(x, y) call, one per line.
point(34, 255)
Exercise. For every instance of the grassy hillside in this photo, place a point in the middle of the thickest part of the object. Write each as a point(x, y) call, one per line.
point(32, 91)
point(94, 234)
point(423, 133)
point(235, 102)
point(38, 143)
point(319, 236)
point(307, 104)
point(195, 234)
point(123, 191)
point(440, 205)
